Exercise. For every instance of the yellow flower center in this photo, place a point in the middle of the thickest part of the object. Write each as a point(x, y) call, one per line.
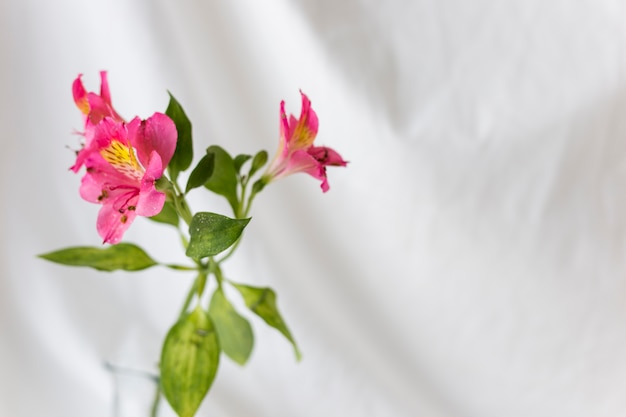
point(302, 137)
point(122, 158)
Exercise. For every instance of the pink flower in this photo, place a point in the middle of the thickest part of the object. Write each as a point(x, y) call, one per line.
point(94, 108)
point(123, 164)
point(296, 152)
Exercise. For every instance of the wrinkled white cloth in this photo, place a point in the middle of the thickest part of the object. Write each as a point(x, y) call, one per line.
point(469, 262)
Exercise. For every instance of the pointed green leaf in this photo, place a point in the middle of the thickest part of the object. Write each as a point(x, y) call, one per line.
point(125, 256)
point(212, 233)
point(224, 178)
point(167, 215)
point(259, 160)
point(239, 161)
point(183, 155)
point(201, 173)
point(262, 302)
point(233, 330)
point(189, 362)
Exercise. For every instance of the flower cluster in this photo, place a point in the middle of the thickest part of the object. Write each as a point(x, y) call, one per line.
point(122, 160)
point(296, 152)
point(125, 172)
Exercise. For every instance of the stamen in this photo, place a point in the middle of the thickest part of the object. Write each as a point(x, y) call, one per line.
point(121, 203)
point(103, 195)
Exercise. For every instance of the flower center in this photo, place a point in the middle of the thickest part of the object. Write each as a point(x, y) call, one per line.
point(122, 158)
point(302, 137)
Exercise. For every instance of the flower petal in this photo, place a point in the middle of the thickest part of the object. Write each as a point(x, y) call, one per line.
point(105, 93)
point(301, 161)
point(99, 109)
point(112, 223)
point(102, 134)
point(80, 95)
point(303, 130)
point(157, 133)
point(285, 129)
point(91, 188)
point(308, 117)
point(326, 156)
point(150, 200)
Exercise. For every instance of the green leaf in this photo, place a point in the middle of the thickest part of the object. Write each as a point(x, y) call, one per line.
point(259, 160)
point(124, 256)
point(189, 362)
point(183, 155)
point(212, 233)
point(224, 178)
point(167, 215)
point(239, 161)
point(233, 330)
point(262, 302)
point(201, 173)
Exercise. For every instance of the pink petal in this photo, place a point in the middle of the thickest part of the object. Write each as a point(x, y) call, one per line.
point(157, 133)
point(324, 185)
point(80, 95)
point(108, 130)
point(150, 200)
point(80, 159)
point(326, 156)
point(308, 117)
point(293, 124)
point(285, 130)
point(91, 146)
point(302, 132)
point(99, 108)
point(112, 224)
point(91, 188)
point(301, 161)
point(104, 87)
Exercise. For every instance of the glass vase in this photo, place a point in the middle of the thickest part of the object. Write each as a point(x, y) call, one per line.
point(136, 393)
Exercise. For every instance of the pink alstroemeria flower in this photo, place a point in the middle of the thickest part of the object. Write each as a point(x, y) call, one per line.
point(122, 167)
point(296, 152)
point(94, 108)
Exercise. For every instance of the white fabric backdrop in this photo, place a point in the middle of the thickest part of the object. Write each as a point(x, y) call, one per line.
point(470, 261)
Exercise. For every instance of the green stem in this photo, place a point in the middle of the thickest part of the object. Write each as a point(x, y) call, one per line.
point(154, 410)
point(183, 208)
point(242, 199)
point(190, 294)
point(214, 267)
point(181, 204)
point(242, 213)
point(248, 205)
point(202, 277)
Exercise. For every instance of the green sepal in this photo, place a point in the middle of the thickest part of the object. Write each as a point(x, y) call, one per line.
point(262, 302)
point(164, 185)
point(168, 215)
point(233, 330)
point(124, 256)
point(183, 155)
point(259, 160)
point(201, 173)
point(211, 233)
point(259, 185)
point(239, 161)
point(189, 362)
point(224, 178)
